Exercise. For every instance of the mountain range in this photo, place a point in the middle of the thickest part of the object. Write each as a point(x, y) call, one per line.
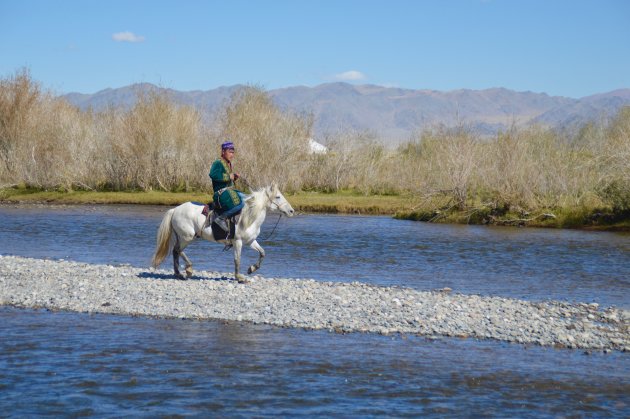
point(393, 114)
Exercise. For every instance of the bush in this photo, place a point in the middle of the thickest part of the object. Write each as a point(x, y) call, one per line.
point(618, 194)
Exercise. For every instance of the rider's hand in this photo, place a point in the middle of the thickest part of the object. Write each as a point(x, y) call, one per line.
point(236, 176)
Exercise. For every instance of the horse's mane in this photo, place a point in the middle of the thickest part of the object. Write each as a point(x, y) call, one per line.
point(253, 206)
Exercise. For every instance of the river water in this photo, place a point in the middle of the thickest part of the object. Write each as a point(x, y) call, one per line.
point(76, 364)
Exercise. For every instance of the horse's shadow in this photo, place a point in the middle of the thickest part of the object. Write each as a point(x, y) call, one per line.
point(161, 276)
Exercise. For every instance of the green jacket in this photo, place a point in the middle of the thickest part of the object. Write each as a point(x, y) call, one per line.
point(220, 174)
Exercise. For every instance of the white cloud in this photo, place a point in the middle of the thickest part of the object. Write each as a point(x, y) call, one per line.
point(127, 37)
point(350, 76)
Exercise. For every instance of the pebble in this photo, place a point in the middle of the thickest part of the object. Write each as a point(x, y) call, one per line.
point(305, 303)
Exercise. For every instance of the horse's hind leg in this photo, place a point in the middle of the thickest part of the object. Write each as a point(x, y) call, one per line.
point(177, 251)
point(176, 254)
point(185, 241)
point(261, 256)
point(189, 269)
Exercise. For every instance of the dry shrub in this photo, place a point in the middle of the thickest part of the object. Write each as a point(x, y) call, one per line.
point(613, 163)
point(372, 167)
point(47, 143)
point(355, 160)
point(531, 168)
point(444, 163)
point(19, 107)
point(536, 168)
point(523, 168)
point(42, 138)
point(330, 172)
point(272, 146)
point(158, 145)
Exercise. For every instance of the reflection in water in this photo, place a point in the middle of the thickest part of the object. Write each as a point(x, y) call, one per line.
point(532, 264)
point(77, 364)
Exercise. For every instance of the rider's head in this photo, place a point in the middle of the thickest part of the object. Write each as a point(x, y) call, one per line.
point(227, 150)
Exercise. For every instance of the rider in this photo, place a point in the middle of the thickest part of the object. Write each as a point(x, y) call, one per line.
point(225, 195)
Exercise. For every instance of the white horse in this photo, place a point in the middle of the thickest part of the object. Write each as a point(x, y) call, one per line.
point(181, 225)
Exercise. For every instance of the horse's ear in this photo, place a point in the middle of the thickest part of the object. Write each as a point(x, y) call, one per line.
point(274, 186)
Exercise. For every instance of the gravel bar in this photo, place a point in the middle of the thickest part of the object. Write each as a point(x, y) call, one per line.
point(306, 303)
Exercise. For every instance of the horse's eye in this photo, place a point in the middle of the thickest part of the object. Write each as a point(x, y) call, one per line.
point(278, 197)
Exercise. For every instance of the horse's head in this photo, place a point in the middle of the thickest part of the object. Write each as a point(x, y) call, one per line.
point(277, 201)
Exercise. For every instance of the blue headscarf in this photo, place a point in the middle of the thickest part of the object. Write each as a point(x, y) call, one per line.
point(228, 145)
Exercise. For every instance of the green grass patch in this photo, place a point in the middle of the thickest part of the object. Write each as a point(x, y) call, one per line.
point(19, 195)
point(349, 202)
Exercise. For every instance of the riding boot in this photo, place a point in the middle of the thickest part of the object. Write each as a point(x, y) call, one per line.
point(221, 222)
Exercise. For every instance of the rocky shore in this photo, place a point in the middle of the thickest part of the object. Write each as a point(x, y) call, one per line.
point(305, 303)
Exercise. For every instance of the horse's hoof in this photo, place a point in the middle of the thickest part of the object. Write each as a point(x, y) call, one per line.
point(251, 270)
point(189, 272)
point(242, 279)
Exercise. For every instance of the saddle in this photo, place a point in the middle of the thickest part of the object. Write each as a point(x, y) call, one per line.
point(211, 212)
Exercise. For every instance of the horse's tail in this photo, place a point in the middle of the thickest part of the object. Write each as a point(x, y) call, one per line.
point(165, 231)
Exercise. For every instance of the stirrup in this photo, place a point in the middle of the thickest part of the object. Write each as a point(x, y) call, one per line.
point(227, 247)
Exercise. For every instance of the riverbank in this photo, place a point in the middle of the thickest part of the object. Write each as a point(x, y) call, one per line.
point(309, 304)
point(570, 218)
point(347, 202)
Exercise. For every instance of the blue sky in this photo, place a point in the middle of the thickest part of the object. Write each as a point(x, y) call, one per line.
point(566, 48)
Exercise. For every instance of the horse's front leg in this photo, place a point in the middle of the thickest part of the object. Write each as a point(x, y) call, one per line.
point(238, 247)
point(261, 256)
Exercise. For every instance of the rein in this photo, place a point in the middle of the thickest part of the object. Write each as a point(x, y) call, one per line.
point(272, 231)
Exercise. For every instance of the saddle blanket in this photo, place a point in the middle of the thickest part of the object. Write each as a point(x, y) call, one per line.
point(206, 207)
